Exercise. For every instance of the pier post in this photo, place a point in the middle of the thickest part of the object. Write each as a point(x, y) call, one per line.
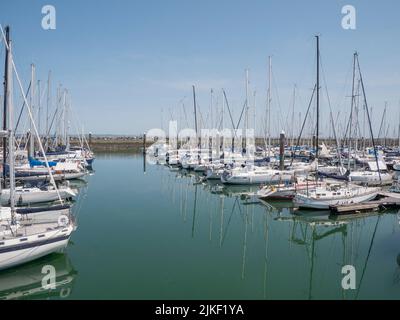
point(281, 150)
point(144, 143)
point(313, 142)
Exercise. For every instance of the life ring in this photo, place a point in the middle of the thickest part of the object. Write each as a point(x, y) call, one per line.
point(63, 220)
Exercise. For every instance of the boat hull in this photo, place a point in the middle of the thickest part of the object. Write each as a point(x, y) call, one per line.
point(19, 253)
point(310, 203)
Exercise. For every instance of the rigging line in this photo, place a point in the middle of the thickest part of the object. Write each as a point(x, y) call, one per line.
point(184, 111)
point(331, 114)
point(304, 122)
point(275, 88)
point(382, 122)
point(14, 68)
point(241, 115)
point(230, 218)
point(345, 85)
point(229, 110)
point(22, 109)
point(368, 255)
point(369, 120)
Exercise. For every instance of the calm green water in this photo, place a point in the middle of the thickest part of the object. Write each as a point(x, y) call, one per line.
point(160, 235)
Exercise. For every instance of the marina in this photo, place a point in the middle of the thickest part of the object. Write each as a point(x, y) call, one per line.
point(187, 158)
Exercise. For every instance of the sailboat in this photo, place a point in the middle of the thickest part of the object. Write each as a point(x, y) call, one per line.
point(19, 242)
point(32, 195)
point(250, 174)
point(374, 175)
point(336, 194)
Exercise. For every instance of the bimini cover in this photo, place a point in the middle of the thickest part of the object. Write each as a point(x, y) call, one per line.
point(36, 163)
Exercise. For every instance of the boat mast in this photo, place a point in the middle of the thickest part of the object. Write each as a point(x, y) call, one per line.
point(294, 101)
point(269, 104)
point(398, 134)
point(369, 120)
point(255, 118)
point(246, 124)
point(351, 110)
point(67, 122)
point(317, 133)
point(8, 118)
point(47, 105)
point(6, 90)
point(64, 119)
point(31, 103)
point(198, 141)
point(39, 106)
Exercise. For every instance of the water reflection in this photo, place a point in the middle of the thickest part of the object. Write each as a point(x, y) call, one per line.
point(25, 282)
point(326, 243)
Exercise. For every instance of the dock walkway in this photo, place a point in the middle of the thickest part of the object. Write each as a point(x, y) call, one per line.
point(389, 200)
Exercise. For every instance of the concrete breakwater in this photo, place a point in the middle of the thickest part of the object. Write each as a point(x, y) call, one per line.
point(135, 143)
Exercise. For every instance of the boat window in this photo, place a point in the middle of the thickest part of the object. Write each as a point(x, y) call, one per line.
point(23, 239)
point(41, 235)
point(1, 243)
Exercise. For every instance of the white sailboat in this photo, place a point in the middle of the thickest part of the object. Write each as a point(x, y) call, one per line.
point(287, 191)
point(256, 175)
point(335, 194)
point(32, 195)
point(19, 242)
point(376, 174)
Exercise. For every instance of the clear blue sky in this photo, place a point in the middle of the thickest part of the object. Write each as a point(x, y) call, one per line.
point(126, 61)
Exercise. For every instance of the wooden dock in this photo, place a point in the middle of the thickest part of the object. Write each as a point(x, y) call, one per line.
point(389, 200)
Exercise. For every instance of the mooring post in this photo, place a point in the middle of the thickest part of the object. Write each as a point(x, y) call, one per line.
point(313, 142)
point(281, 150)
point(144, 143)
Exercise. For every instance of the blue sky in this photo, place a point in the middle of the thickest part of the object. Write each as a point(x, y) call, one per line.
point(128, 64)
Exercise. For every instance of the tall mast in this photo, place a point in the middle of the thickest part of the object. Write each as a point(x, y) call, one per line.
point(39, 106)
point(247, 103)
point(351, 108)
point(8, 115)
point(6, 91)
point(269, 104)
point(64, 119)
point(31, 103)
point(369, 120)
point(195, 110)
point(48, 104)
point(223, 111)
point(195, 122)
point(317, 137)
point(398, 134)
point(255, 117)
point(211, 107)
point(67, 122)
point(294, 101)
